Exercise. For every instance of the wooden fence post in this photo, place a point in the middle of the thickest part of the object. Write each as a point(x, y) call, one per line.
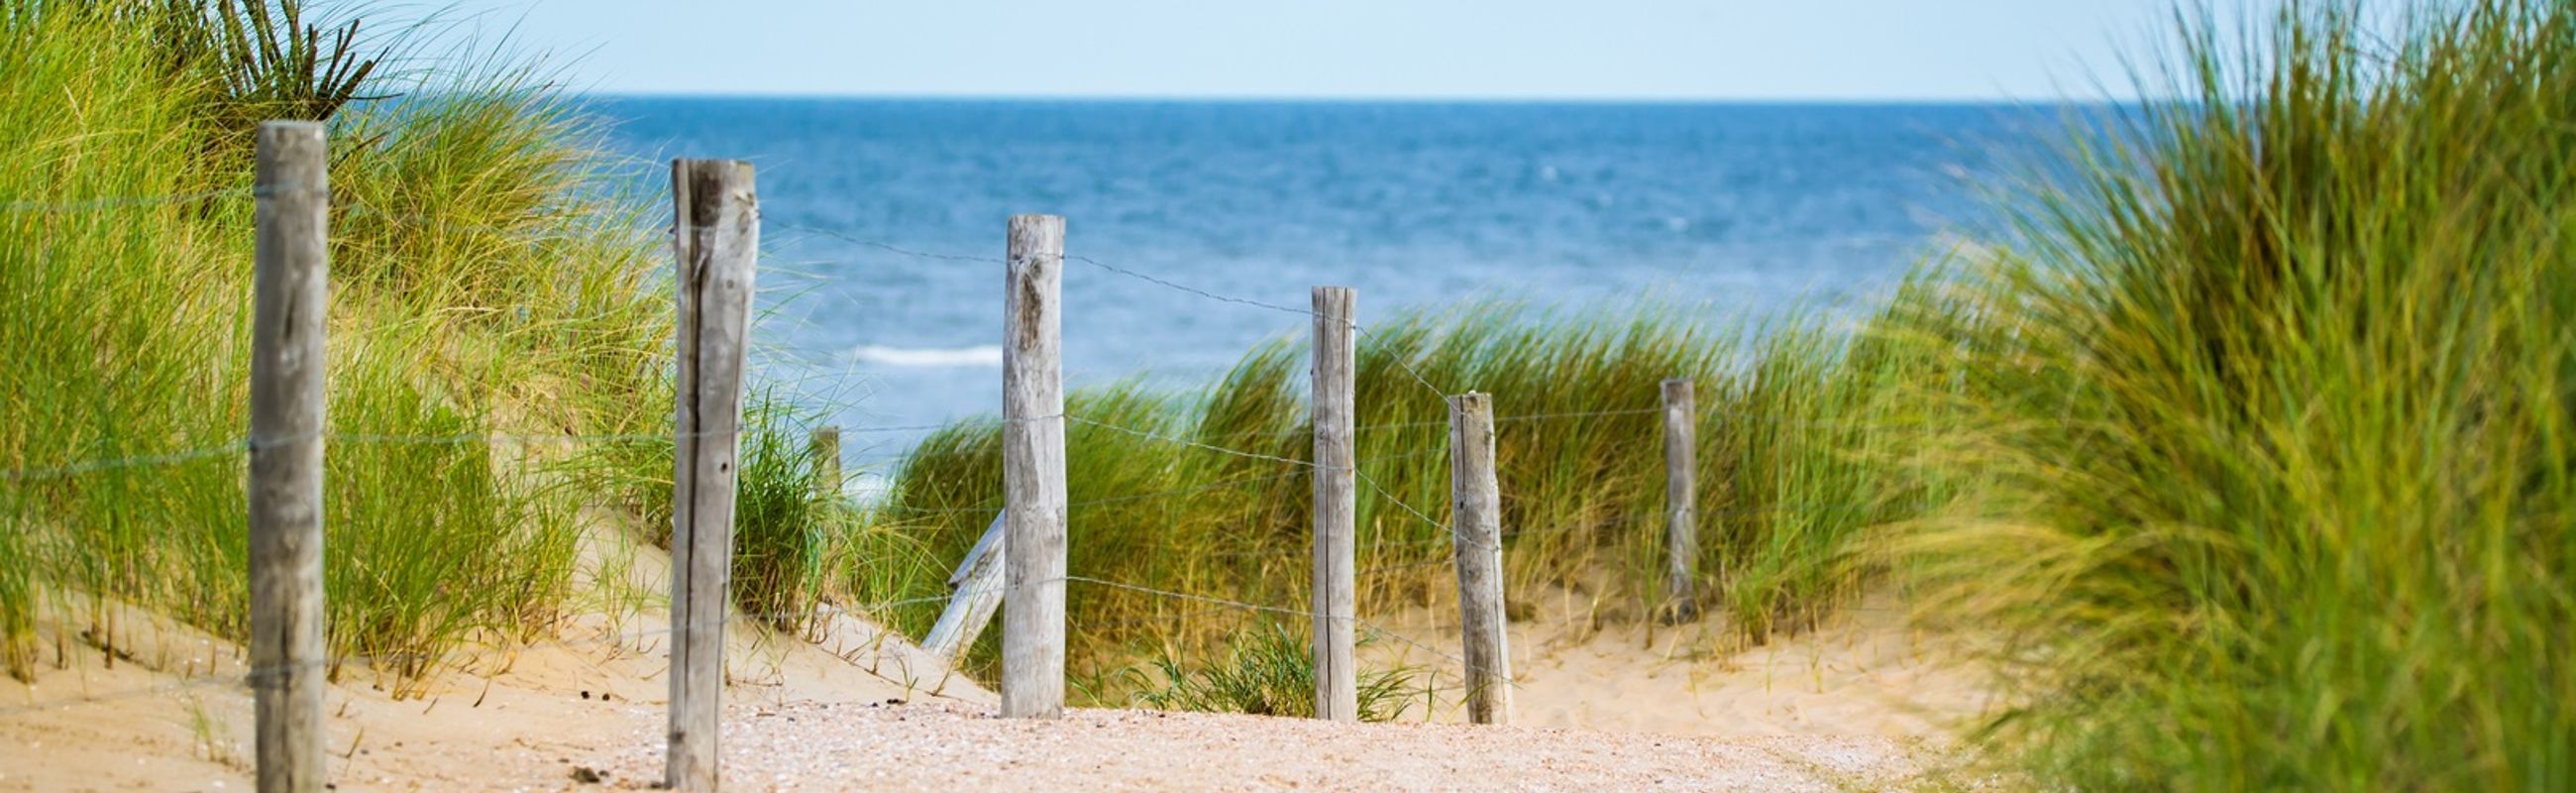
point(975, 590)
point(1476, 522)
point(1335, 609)
point(716, 239)
point(1033, 472)
point(1681, 501)
point(291, 286)
point(825, 447)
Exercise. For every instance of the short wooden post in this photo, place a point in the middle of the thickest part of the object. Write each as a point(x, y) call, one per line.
point(975, 591)
point(716, 239)
point(1337, 696)
point(1476, 523)
point(291, 292)
point(1033, 472)
point(825, 448)
point(1681, 502)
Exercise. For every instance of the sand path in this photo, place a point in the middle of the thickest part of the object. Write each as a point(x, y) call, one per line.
point(1861, 703)
point(1824, 712)
point(805, 746)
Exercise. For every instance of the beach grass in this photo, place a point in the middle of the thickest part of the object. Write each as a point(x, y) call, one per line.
point(1265, 671)
point(1205, 493)
point(482, 286)
point(2248, 442)
point(2266, 416)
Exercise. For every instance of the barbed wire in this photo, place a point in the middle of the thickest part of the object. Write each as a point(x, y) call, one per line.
point(1356, 473)
point(549, 222)
point(1399, 567)
point(94, 466)
point(1356, 327)
point(245, 445)
point(1399, 361)
point(125, 202)
point(1168, 284)
point(1400, 503)
point(1186, 442)
point(1098, 501)
point(1408, 370)
point(1510, 534)
point(1218, 485)
point(240, 446)
point(870, 609)
point(889, 248)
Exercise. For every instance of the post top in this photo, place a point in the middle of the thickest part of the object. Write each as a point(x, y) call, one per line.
point(290, 125)
point(1037, 224)
point(1334, 304)
point(733, 169)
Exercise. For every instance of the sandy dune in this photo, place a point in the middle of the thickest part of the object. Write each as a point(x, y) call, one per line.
point(173, 716)
point(1858, 704)
point(1862, 673)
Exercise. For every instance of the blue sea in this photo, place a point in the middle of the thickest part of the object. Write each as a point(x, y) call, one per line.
point(1728, 210)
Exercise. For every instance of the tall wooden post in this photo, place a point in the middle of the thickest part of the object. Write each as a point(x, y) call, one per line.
point(1476, 522)
point(1033, 472)
point(291, 285)
point(1681, 501)
point(1335, 609)
point(716, 240)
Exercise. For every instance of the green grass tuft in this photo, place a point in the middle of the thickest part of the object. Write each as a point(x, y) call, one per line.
point(1266, 671)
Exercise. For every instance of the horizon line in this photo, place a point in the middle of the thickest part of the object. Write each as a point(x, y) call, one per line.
point(1485, 99)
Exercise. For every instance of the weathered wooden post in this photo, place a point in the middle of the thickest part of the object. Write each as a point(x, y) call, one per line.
point(1033, 472)
point(1476, 523)
point(716, 239)
point(825, 448)
point(975, 590)
point(291, 292)
point(1681, 501)
point(1335, 609)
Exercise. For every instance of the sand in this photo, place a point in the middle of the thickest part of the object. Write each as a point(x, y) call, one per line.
point(1861, 703)
point(950, 747)
point(1863, 673)
point(172, 715)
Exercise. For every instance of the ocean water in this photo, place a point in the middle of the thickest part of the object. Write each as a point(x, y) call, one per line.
point(1726, 210)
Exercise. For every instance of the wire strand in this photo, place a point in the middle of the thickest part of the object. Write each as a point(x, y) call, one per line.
point(124, 202)
point(1186, 442)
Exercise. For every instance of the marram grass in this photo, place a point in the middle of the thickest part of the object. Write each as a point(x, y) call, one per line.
point(1790, 476)
point(2267, 412)
point(477, 290)
point(2251, 440)
point(1268, 670)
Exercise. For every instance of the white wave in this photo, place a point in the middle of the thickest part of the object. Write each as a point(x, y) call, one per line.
point(982, 355)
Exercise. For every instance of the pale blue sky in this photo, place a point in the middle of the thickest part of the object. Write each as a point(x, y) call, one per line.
point(1516, 49)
